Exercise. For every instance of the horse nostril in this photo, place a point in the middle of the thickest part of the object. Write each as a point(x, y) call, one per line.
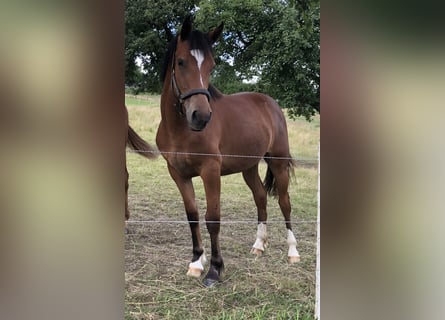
point(199, 120)
point(201, 117)
point(194, 116)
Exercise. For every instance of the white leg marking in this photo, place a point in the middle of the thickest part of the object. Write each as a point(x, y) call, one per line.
point(293, 255)
point(199, 56)
point(197, 267)
point(261, 239)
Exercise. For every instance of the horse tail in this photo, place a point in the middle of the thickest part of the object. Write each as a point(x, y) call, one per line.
point(135, 142)
point(270, 181)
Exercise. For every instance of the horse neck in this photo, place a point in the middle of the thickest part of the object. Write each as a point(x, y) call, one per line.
point(169, 113)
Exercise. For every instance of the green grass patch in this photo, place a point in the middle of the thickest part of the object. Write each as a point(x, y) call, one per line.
point(142, 100)
point(157, 254)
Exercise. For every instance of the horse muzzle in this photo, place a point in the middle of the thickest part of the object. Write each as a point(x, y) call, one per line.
point(199, 120)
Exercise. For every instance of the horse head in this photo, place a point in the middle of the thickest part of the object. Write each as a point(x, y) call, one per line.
point(191, 66)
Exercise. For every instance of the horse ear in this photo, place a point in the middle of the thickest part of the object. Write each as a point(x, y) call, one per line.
point(186, 27)
point(215, 33)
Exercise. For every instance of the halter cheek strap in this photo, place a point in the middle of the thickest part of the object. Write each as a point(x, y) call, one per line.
point(184, 96)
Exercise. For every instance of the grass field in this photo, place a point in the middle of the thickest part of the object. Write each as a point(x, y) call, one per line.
point(158, 245)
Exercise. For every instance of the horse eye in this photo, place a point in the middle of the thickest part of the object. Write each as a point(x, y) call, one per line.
point(180, 62)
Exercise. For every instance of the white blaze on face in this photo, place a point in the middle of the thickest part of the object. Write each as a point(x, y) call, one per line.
point(199, 56)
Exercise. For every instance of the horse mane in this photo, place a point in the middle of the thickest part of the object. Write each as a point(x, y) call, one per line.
point(171, 48)
point(196, 40)
point(214, 92)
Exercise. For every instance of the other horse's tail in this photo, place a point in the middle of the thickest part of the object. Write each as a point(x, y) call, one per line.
point(135, 142)
point(270, 181)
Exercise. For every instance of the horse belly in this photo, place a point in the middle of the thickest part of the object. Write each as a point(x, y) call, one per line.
point(232, 165)
point(245, 150)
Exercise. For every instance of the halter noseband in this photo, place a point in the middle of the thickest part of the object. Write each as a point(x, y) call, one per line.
point(184, 96)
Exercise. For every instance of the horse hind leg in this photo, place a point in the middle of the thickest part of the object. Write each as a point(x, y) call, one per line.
point(261, 241)
point(253, 181)
point(127, 211)
point(280, 171)
point(292, 255)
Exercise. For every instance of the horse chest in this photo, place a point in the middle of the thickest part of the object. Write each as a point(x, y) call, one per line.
point(184, 163)
point(184, 151)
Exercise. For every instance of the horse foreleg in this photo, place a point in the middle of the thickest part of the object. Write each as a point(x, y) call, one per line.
point(197, 267)
point(212, 185)
point(185, 186)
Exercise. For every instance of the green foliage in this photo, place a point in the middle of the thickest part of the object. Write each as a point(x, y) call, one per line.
point(226, 80)
point(149, 26)
point(273, 41)
point(293, 74)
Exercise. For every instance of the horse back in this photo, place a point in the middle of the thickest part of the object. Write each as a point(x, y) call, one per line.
point(251, 109)
point(251, 122)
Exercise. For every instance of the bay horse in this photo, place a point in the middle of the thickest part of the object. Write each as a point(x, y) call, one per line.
point(200, 126)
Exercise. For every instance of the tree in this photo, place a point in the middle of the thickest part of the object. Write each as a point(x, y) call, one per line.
point(293, 74)
point(149, 26)
point(275, 42)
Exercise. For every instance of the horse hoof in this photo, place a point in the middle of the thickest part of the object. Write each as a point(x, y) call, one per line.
point(210, 283)
point(194, 272)
point(294, 259)
point(256, 252)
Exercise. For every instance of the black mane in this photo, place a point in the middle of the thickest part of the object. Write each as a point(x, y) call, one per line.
point(196, 40)
point(171, 48)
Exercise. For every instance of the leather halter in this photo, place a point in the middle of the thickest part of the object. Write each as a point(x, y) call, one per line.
point(184, 96)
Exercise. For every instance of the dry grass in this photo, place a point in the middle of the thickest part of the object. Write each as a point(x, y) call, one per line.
point(157, 254)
